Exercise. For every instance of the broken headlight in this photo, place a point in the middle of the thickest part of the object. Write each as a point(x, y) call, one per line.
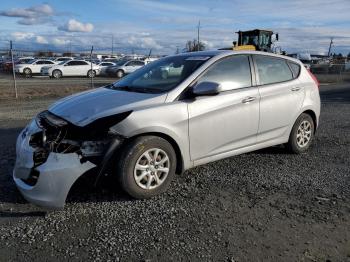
point(47, 118)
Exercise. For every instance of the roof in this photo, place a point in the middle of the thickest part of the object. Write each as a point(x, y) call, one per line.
point(223, 53)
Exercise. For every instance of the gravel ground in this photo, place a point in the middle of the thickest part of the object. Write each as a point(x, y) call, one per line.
point(261, 206)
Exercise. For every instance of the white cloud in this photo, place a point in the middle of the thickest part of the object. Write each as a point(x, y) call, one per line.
point(59, 41)
point(41, 40)
point(30, 16)
point(75, 26)
point(20, 36)
point(142, 42)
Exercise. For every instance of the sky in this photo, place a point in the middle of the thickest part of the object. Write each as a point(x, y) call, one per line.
point(165, 26)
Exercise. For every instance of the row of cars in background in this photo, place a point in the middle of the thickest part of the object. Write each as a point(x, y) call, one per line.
point(69, 66)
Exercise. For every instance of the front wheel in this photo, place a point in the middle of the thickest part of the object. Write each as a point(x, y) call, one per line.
point(301, 135)
point(146, 166)
point(27, 72)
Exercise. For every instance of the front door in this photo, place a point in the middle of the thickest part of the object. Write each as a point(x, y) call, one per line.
point(228, 121)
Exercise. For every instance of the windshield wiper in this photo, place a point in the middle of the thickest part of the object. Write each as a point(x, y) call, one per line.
point(134, 89)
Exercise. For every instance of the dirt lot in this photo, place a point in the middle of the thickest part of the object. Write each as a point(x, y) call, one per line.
point(262, 206)
point(41, 86)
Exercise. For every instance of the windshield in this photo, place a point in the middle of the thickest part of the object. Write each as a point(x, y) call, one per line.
point(30, 61)
point(26, 61)
point(61, 63)
point(161, 75)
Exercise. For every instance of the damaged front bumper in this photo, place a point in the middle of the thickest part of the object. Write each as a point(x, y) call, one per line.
point(47, 184)
point(45, 176)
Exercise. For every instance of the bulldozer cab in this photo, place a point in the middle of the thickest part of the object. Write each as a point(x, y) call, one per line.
point(257, 39)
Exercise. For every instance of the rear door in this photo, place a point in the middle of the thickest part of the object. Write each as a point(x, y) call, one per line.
point(281, 96)
point(227, 121)
point(129, 67)
point(83, 67)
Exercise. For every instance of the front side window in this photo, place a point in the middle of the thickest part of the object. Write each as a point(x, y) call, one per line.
point(81, 63)
point(232, 73)
point(272, 70)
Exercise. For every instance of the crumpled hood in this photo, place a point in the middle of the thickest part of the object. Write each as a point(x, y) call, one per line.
point(83, 108)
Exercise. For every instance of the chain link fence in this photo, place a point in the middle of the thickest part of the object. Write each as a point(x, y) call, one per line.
point(22, 97)
point(332, 73)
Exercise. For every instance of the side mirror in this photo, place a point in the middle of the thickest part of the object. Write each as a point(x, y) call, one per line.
point(234, 43)
point(207, 89)
point(276, 37)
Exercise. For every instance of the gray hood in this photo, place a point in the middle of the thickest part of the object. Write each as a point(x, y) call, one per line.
point(83, 108)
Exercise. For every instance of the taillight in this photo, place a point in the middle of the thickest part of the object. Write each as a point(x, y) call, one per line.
point(314, 78)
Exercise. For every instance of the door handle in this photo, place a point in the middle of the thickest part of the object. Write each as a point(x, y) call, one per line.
point(295, 89)
point(248, 99)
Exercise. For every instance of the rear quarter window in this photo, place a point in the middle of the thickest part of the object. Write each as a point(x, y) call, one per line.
point(295, 69)
point(272, 70)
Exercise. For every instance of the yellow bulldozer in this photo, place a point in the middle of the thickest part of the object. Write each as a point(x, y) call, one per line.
point(257, 39)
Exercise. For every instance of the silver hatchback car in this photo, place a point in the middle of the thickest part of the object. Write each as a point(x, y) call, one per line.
point(149, 125)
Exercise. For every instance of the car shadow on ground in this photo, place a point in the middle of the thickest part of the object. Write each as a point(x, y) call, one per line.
point(107, 189)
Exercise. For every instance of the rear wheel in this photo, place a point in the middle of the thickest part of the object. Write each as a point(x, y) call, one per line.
point(120, 73)
point(146, 166)
point(91, 73)
point(27, 72)
point(301, 135)
point(56, 74)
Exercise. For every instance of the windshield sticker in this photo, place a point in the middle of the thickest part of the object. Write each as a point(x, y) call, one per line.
point(198, 58)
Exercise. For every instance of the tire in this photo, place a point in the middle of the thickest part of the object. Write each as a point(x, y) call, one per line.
point(27, 72)
point(134, 153)
point(120, 73)
point(91, 73)
point(56, 73)
point(302, 134)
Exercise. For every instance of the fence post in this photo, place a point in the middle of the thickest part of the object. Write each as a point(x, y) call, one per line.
point(92, 72)
point(13, 71)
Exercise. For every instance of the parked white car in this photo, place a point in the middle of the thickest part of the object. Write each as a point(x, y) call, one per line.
point(32, 67)
point(71, 68)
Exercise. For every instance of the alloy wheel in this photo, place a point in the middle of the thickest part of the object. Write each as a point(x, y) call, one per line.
point(304, 133)
point(152, 168)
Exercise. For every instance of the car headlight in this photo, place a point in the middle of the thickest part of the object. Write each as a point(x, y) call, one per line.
point(50, 119)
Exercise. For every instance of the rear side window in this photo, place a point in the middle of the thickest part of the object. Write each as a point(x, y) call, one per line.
point(272, 70)
point(139, 63)
point(232, 73)
point(295, 69)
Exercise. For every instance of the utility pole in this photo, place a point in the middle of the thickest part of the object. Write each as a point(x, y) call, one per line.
point(330, 47)
point(13, 70)
point(112, 43)
point(198, 27)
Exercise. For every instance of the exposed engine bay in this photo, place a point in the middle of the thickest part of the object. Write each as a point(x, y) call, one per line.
point(90, 143)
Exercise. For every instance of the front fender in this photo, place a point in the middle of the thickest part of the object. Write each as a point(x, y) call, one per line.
point(170, 119)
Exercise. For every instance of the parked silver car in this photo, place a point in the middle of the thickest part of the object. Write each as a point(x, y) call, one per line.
point(124, 67)
point(149, 125)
